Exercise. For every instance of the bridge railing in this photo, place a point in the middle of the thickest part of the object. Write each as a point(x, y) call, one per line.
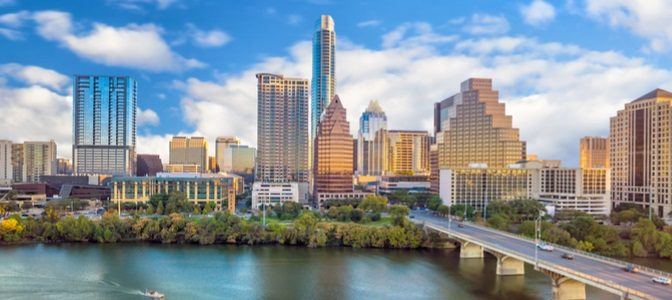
point(607, 259)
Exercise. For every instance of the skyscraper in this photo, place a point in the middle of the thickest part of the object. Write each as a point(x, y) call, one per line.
point(242, 158)
point(221, 145)
point(104, 114)
point(282, 129)
point(149, 164)
point(63, 166)
point(333, 151)
point(17, 162)
point(189, 151)
point(593, 152)
point(640, 153)
point(324, 58)
point(39, 158)
point(372, 141)
point(408, 152)
point(6, 172)
point(472, 127)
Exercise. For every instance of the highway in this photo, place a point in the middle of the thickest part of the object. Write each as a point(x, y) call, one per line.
point(591, 267)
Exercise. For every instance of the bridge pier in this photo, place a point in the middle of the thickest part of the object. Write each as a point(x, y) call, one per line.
point(567, 289)
point(507, 265)
point(470, 250)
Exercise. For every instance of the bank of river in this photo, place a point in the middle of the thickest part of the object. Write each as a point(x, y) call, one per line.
point(122, 271)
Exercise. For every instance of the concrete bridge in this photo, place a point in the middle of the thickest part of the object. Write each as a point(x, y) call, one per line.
point(569, 277)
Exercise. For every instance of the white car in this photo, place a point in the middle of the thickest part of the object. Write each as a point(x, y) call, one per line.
point(662, 280)
point(545, 247)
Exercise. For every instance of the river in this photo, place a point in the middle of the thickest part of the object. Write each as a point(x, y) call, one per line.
point(123, 271)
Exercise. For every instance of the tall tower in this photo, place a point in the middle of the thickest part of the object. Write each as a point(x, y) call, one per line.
point(593, 152)
point(371, 141)
point(324, 80)
point(39, 158)
point(104, 114)
point(282, 129)
point(333, 151)
point(222, 155)
point(472, 127)
point(6, 171)
point(640, 153)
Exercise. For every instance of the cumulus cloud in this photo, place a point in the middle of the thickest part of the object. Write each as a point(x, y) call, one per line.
point(14, 19)
point(114, 46)
point(369, 23)
point(487, 24)
point(35, 75)
point(294, 19)
point(138, 5)
point(538, 12)
point(646, 18)
point(147, 117)
point(208, 38)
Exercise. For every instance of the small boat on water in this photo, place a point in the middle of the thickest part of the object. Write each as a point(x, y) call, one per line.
point(153, 294)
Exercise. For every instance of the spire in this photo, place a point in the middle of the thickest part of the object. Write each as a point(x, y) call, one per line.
point(374, 106)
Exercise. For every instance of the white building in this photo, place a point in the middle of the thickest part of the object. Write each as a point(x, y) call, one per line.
point(273, 193)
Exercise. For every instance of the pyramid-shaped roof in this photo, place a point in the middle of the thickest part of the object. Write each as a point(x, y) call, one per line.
point(657, 93)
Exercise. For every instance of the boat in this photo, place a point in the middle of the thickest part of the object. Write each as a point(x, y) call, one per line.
point(154, 294)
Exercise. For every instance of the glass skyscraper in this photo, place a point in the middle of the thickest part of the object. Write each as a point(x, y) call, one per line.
point(324, 80)
point(104, 128)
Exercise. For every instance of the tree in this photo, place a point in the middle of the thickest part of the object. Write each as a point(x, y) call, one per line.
point(357, 215)
point(11, 230)
point(372, 203)
point(434, 202)
point(499, 221)
point(585, 246)
point(399, 213)
point(159, 208)
point(443, 210)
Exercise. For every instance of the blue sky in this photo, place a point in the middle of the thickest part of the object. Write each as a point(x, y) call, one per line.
point(562, 67)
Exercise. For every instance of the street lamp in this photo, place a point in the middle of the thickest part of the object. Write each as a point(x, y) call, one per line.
point(537, 237)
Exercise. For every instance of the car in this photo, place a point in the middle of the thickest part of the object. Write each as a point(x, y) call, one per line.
point(662, 280)
point(412, 216)
point(631, 268)
point(545, 247)
point(460, 225)
point(568, 256)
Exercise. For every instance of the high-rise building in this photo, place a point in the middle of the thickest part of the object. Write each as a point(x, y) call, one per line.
point(594, 152)
point(434, 168)
point(333, 151)
point(372, 143)
point(472, 127)
point(282, 126)
point(63, 166)
point(104, 128)
point(6, 172)
point(324, 62)
point(189, 151)
point(409, 152)
point(640, 153)
point(39, 158)
point(221, 145)
point(149, 165)
point(242, 158)
point(17, 162)
point(212, 164)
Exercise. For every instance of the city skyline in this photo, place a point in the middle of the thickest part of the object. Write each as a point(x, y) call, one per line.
point(195, 93)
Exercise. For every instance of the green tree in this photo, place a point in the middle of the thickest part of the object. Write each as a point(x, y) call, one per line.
point(399, 213)
point(434, 202)
point(443, 210)
point(372, 203)
point(357, 215)
point(498, 221)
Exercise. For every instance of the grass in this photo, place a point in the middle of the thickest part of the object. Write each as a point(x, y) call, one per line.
point(380, 223)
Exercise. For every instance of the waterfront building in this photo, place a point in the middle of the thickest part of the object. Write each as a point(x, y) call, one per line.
point(585, 190)
point(594, 152)
point(189, 151)
point(408, 152)
point(104, 125)
point(222, 143)
point(17, 162)
point(324, 64)
point(63, 166)
point(434, 168)
point(472, 127)
point(274, 193)
point(640, 153)
point(39, 158)
point(6, 171)
point(409, 183)
point(199, 188)
point(149, 165)
point(372, 142)
point(477, 187)
point(333, 151)
point(282, 131)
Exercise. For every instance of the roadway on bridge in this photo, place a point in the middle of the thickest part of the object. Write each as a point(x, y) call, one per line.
point(594, 267)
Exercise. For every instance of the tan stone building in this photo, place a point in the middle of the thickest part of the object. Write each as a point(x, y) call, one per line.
point(640, 154)
point(189, 151)
point(408, 152)
point(39, 158)
point(594, 152)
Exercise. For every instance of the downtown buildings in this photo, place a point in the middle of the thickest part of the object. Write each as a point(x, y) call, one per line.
point(372, 158)
point(324, 65)
point(188, 154)
point(594, 152)
point(104, 125)
point(6, 171)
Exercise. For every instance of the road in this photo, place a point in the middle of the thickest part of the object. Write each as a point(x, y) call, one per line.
point(584, 264)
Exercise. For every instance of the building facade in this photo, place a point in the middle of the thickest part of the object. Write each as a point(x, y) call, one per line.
point(6, 171)
point(372, 158)
point(409, 152)
point(594, 152)
point(274, 193)
point(17, 162)
point(104, 125)
point(63, 166)
point(39, 158)
point(149, 165)
point(586, 190)
point(242, 158)
point(222, 144)
point(640, 154)
point(472, 127)
point(333, 151)
point(477, 187)
point(189, 151)
point(324, 64)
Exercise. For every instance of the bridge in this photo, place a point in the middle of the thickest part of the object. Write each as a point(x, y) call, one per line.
point(569, 277)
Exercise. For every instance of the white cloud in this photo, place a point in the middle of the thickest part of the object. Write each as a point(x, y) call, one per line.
point(414, 35)
point(487, 24)
point(211, 38)
point(369, 23)
point(138, 5)
point(294, 19)
point(35, 75)
point(646, 18)
point(114, 46)
point(538, 12)
point(147, 117)
point(14, 19)
point(7, 2)
point(11, 34)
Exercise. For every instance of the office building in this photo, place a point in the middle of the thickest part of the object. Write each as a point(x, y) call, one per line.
point(17, 162)
point(640, 154)
point(409, 183)
point(333, 151)
point(6, 171)
point(434, 168)
point(408, 152)
point(221, 145)
point(104, 125)
point(324, 63)
point(593, 152)
point(212, 164)
point(182, 168)
point(189, 151)
point(149, 165)
point(39, 158)
point(472, 127)
point(477, 187)
point(63, 166)
point(372, 143)
point(585, 190)
point(274, 193)
point(242, 159)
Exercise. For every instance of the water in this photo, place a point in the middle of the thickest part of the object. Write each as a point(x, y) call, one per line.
point(124, 271)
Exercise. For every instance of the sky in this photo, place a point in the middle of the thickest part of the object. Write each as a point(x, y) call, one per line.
point(563, 68)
